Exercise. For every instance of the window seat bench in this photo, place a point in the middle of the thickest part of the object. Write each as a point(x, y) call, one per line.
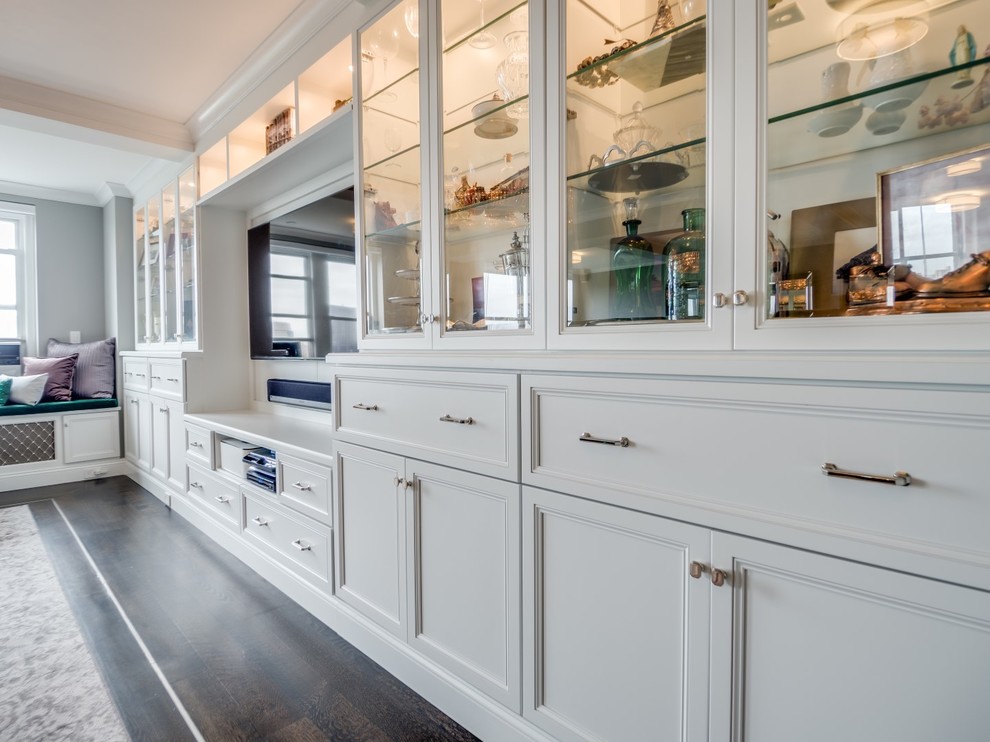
point(47, 408)
point(56, 442)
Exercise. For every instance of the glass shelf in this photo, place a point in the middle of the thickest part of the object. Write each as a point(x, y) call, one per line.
point(402, 166)
point(401, 234)
point(657, 62)
point(851, 123)
point(397, 98)
point(472, 27)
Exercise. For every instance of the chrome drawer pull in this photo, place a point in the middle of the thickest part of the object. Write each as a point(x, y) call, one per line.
point(303, 487)
point(258, 520)
point(156, 377)
point(370, 408)
point(169, 378)
point(623, 442)
point(222, 499)
point(197, 485)
point(298, 543)
point(458, 420)
point(900, 478)
point(196, 444)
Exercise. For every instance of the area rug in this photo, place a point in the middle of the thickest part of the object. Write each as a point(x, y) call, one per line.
point(50, 687)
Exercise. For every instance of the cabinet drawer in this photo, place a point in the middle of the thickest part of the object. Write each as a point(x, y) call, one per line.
point(136, 373)
point(466, 420)
point(199, 446)
point(217, 497)
point(167, 379)
point(304, 487)
point(758, 450)
point(303, 547)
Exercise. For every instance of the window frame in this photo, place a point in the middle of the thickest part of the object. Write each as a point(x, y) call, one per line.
point(25, 258)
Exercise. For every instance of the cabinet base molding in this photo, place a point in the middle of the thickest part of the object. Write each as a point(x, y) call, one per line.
point(482, 716)
point(62, 474)
point(151, 483)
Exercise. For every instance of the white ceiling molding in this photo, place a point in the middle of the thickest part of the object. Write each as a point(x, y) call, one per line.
point(110, 191)
point(305, 22)
point(165, 137)
point(23, 190)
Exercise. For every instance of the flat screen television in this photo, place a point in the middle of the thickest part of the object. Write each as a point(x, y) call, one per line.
point(302, 281)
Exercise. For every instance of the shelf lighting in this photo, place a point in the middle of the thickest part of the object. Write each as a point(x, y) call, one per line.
point(968, 167)
point(960, 201)
point(882, 28)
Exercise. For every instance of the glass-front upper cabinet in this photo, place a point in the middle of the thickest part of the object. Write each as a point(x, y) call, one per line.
point(877, 192)
point(186, 262)
point(394, 269)
point(633, 152)
point(486, 124)
point(165, 265)
point(140, 275)
point(153, 270)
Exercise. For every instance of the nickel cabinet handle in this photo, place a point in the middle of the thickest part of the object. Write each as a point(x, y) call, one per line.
point(370, 408)
point(301, 545)
point(458, 420)
point(197, 485)
point(258, 520)
point(900, 478)
point(196, 444)
point(222, 499)
point(302, 486)
point(169, 378)
point(622, 442)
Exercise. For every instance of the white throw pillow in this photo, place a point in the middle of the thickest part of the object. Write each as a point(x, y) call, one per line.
point(27, 389)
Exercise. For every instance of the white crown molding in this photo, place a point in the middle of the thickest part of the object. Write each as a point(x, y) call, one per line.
point(8, 188)
point(306, 21)
point(86, 119)
point(109, 191)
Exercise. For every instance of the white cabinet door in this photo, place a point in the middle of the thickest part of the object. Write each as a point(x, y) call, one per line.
point(813, 648)
point(159, 438)
point(91, 436)
point(463, 539)
point(176, 477)
point(137, 429)
point(615, 631)
point(370, 515)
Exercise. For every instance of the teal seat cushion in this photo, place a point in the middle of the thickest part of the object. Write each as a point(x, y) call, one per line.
point(50, 408)
point(5, 383)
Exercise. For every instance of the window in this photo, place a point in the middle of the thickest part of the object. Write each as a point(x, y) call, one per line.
point(18, 318)
point(313, 300)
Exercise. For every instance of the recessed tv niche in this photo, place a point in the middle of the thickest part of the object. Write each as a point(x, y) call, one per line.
point(302, 281)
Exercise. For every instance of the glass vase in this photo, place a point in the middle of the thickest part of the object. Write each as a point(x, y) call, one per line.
point(632, 266)
point(686, 269)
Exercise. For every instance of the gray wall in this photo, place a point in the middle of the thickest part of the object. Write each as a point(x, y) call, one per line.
point(71, 292)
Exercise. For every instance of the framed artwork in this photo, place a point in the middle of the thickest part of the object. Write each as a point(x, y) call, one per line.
point(932, 213)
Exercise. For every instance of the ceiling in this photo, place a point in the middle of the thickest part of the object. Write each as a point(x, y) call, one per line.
point(95, 95)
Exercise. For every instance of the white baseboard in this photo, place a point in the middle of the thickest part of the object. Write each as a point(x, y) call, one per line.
point(28, 476)
point(481, 715)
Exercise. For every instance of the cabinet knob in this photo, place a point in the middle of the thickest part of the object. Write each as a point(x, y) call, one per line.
point(696, 570)
point(719, 300)
point(719, 577)
point(739, 298)
point(399, 482)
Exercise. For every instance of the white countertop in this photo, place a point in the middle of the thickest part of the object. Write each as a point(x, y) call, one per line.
point(283, 434)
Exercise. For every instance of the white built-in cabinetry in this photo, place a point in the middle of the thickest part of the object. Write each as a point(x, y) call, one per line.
point(154, 429)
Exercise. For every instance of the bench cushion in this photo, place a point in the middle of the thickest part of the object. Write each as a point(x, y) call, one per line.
point(53, 408)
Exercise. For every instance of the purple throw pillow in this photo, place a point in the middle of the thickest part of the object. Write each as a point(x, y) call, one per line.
point(60, 371)
point(95, 369)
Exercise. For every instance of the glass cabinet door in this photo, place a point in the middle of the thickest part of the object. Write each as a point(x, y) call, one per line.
point(153, 270)
point(878, 167)
point(485, 124)
point(634, 166)
point(186, 265)
point(170, 303)
point(394, 278)
point(140, 277)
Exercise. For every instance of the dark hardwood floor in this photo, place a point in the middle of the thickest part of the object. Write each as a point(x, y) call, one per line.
point(246, 662)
